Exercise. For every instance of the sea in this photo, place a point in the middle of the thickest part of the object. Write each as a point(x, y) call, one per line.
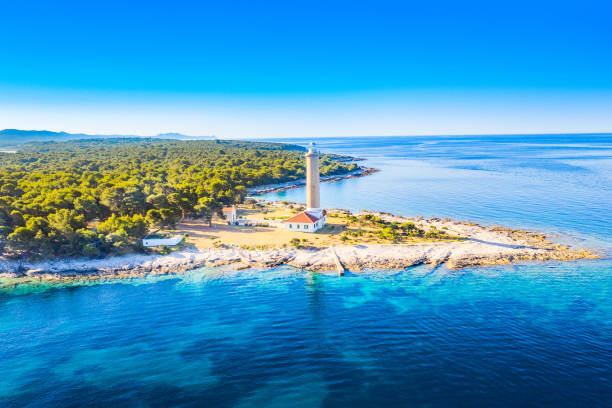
point(536, 334)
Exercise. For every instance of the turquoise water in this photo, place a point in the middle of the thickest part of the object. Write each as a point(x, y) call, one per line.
point(534, 334)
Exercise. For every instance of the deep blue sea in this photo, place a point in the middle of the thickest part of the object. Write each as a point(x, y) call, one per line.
point(534, 334)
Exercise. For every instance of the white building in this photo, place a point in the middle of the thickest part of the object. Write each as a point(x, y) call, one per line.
point(230, 214)
point(314, 218)
point(305, 222)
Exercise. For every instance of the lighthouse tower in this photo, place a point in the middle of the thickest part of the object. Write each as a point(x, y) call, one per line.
point(314, 218)
point(313, 187)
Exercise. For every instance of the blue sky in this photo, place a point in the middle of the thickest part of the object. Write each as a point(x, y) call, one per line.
point(298, 68)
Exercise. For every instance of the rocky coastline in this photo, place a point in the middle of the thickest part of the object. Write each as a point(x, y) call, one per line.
point(272, 188)
point(483, 246)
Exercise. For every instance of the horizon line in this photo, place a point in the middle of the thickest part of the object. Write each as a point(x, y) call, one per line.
point(120, 135)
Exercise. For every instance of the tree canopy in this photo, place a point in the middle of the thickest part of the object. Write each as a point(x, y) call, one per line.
point(97, 197)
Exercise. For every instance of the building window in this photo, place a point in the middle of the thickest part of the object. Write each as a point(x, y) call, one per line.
point(289, 226)
point(297, 226)
point(305, 226)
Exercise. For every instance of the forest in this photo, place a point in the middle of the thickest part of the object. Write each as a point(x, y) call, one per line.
point(95, 198)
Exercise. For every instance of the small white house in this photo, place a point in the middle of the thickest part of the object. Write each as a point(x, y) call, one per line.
point(230, 214)
point(305, 222)
point(169, 241)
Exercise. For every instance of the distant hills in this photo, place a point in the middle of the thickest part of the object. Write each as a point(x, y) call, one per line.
point(14, 137)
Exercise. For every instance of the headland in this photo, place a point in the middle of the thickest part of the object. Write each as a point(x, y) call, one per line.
point(99, 230)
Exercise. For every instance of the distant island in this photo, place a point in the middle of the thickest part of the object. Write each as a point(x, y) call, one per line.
point(107, 208)
point(14, 137)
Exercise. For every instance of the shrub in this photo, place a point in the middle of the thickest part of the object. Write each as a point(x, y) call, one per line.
point(295, 242)
point(164, 250)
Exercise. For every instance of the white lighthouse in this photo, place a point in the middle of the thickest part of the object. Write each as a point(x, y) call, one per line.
point(313, 187)
point(314, 218)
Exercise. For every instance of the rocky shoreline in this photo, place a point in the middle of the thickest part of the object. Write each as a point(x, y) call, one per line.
point(272, 188)
point(483, 246)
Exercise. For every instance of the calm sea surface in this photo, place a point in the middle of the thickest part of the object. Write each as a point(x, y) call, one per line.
point(536, 334)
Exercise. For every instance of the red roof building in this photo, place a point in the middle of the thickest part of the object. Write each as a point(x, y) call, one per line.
point(305, 222)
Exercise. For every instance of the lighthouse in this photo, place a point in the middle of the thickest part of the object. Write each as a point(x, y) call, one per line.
point(314, 218)
point(313, 182)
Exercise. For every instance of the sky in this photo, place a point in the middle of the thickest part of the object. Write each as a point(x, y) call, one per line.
point(247, 69)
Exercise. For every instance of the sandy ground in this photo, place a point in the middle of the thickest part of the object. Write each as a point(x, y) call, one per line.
point(202, 236)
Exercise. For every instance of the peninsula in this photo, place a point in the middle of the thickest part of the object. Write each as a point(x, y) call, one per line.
point(100, 217)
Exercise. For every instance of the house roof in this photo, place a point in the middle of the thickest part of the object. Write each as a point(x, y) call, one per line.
point(304, 218)
point(228, 209)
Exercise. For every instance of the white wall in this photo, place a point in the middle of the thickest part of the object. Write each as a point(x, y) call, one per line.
point(293, 226)
point(174, 240)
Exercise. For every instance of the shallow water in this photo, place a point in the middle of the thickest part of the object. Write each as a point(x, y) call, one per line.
point(523, 335)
